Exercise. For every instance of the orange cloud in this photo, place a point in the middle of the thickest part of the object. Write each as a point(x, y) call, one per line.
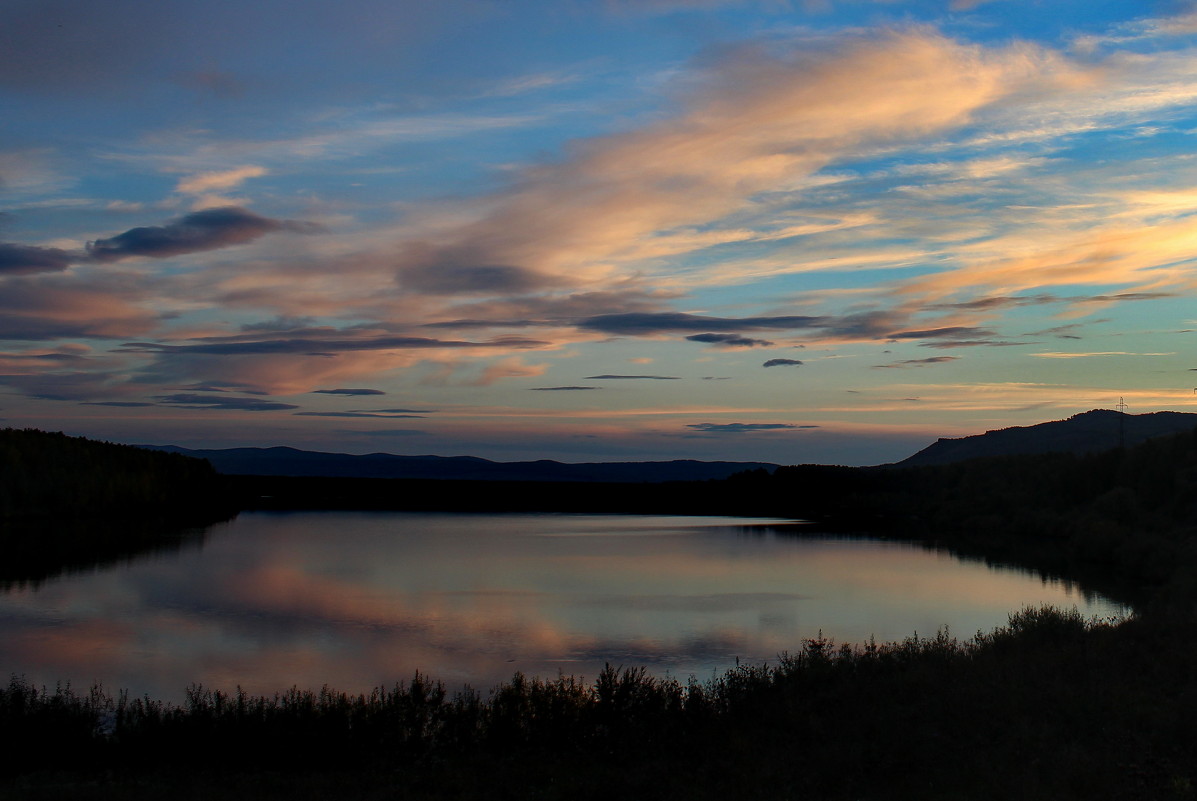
point(760, 121)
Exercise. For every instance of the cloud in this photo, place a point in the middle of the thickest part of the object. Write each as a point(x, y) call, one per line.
point(729, 340)
point(349, 392)
point(609, 377)
point(1098, 353)
point(950, 332)
point(207, 387)
point(318, 347)
point(648, 323)
point(918, 362)
point(1059, 331)
point(386, 432)
point(358, 414)
point(30, 361)
point(466, 271)
point(742, 428)
point(782, 363)
point(510, 367)
point(551, 309)
point(1149, 253)
point(57, 306)
point(277, 371)
point(199, 231)
point(857, 325)
point(560, 389)
point(219, 180)
point(191, 401)
point(119, 404)
point(948, 344)
point(753, 119)
point(25, 259)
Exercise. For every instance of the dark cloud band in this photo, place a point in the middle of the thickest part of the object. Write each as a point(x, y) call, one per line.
point(560, 389)
point(642, 323)
point(26, 259)
point(743, 428)
point(349, 391)
point(323, 347)
point(729, 340)
point(609, 377)
point(209, 229)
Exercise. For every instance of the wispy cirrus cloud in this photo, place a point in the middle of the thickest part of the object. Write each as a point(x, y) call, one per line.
point(222, 403)
point(119, 404)
point(758, 117)
point(219, 180)
point(1065, 355)
point(932, 360)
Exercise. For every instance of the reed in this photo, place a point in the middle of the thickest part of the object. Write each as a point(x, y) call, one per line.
point(1049, 706)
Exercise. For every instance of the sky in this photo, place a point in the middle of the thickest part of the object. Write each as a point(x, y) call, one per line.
point(594, 230)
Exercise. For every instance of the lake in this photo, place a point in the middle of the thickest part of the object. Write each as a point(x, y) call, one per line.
point(356, 600)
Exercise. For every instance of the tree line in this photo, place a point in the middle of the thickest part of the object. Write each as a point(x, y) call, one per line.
point(51, 474)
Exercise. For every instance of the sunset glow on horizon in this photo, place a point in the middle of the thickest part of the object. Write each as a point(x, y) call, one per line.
point(594, 230)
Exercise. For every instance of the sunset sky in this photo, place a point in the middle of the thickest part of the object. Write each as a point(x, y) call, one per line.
point(594, 230)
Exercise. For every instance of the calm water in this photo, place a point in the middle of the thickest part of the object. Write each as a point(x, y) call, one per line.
point(359, 599)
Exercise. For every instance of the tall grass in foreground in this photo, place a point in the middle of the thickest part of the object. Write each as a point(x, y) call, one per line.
point(1049, 706)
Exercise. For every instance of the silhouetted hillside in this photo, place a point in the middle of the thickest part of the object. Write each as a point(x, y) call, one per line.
point(1090, 432)
point(44, 473)
point(1130, 511)
point(69, 503)
point(292, 462)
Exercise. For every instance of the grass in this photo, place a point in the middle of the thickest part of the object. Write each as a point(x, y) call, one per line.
point(1049, 706)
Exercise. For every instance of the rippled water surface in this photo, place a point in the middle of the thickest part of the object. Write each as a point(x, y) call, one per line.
point(359, 599)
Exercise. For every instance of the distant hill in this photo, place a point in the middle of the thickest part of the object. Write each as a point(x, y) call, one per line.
point(1097, 430)
point(282, 461)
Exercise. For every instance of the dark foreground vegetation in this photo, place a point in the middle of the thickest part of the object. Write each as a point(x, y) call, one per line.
point(1050, 707)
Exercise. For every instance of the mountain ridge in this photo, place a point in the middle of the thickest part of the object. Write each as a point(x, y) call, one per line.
point(1086, 432)
point(286, 461)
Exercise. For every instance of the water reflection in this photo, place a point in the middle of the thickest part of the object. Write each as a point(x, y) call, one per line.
point(36, 551)
point(355, 600)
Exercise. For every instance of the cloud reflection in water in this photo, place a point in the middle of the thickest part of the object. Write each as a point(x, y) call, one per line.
point(355, 600)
